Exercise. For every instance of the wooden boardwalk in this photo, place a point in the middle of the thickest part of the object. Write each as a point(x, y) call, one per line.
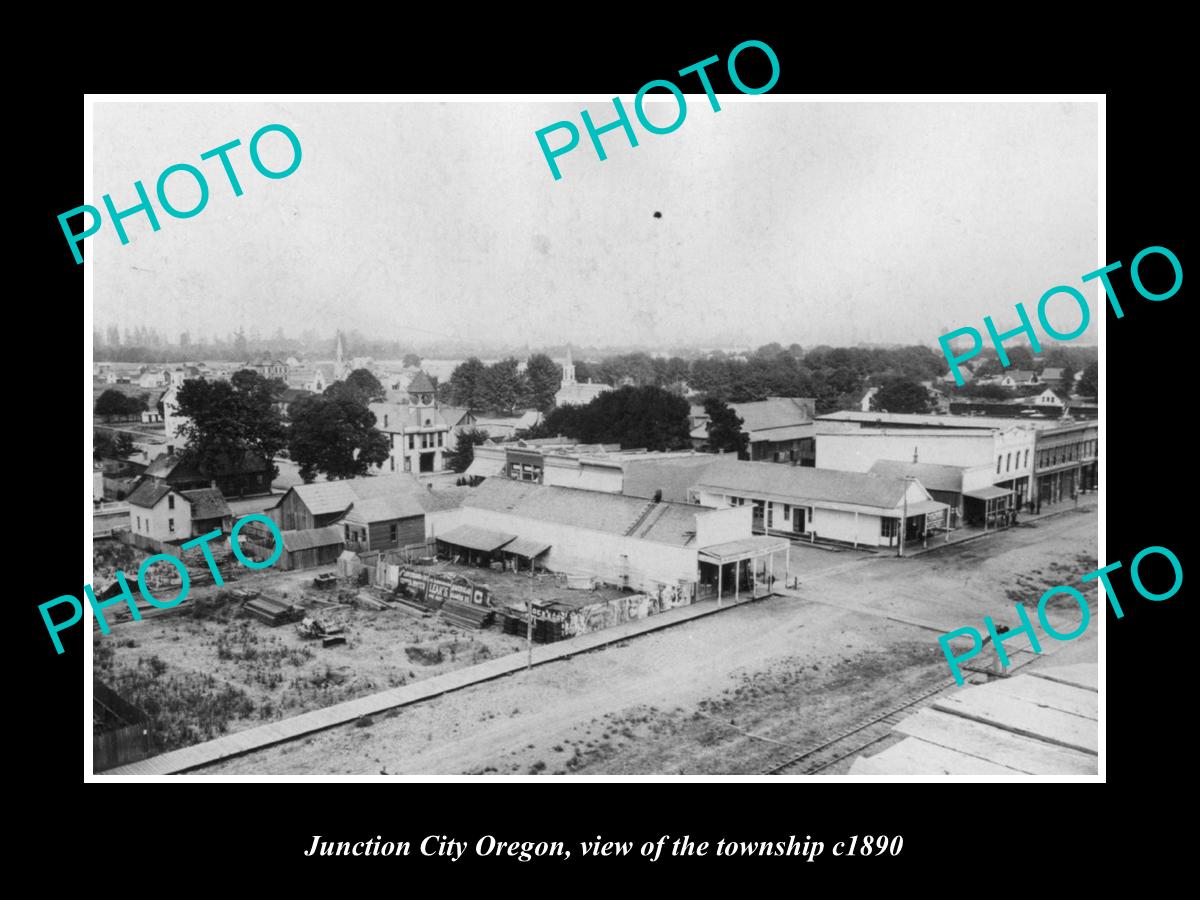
point(260, 736)
point(1042, 722)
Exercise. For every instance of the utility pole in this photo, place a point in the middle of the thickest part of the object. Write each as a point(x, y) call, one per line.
point(529, 620)
point(904, 521)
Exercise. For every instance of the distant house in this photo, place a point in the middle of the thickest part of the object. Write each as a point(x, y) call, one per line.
point(160, 512)
point(285, 398)
point(152, 378)
point(308, 506)
point(1051, 397)
point(1052, 376)
point(948, 378)
point(269, 367)
point(503, 427)
point(150, 416)
point(249, 475)
point(1020, 378)
point(384, 523)
point(780, 429)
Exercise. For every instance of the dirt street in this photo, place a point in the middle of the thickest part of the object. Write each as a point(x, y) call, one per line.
point(738, 692)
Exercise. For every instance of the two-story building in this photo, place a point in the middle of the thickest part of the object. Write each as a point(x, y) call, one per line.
point(418, 433)
point(158, 511)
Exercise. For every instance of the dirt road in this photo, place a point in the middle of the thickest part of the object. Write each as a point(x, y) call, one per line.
point(734, 693)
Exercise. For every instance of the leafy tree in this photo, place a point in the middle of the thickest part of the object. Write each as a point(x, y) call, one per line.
point(502, 387)
point(106, 445)
point(984, 391)
point(1019, 357)
point(466, 383)
point(460, 458)
point(225, 420)
point(114, 403)
point(648, 417)
point(334, 435)
point(725, 429)
point(1089, 381)
point(542, 377)
point(900, 395)
point(411, 361)
point(360, 386)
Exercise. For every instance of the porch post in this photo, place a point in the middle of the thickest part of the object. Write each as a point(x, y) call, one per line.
point(737, 580)
point(720, 581)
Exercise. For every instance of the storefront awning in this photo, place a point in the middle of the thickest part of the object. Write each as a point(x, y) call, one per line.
point(526, 547)
point(476, 538)
point(746, 548)
point(987, 493)
point(923, 508)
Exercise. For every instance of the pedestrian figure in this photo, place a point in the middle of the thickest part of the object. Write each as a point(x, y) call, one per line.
point(1000, 668)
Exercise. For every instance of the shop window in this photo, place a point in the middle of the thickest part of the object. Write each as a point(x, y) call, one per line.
point(889, 526)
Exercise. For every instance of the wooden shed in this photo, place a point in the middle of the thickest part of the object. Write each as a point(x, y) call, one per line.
point(311, 547)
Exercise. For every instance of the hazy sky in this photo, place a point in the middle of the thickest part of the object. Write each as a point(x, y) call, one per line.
point(791, 222)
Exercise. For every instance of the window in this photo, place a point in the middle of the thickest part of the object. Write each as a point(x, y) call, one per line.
point(439, 438)
point(393, 532)
point(385, 420)
point(391, 464)
point(1008, 464)
point(412, 442)
point(1026, 459)
point(349, 533)
point(170, 524)
point(888, 527)
point(170, 501)
point(139, 523)
point(407, 464)
point(787, 511)
point(999, 460)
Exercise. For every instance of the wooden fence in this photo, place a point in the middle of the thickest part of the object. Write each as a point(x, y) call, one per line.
point(124, 736)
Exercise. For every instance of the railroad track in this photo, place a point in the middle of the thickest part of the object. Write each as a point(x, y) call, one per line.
point(876, 729)
point(854, 740)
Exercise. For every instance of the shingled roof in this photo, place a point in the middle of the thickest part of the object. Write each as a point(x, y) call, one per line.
point(420, 384)
point(148, 493)
point(327, 497)
point(207, 503)
point(802, 483)
point(667, 523)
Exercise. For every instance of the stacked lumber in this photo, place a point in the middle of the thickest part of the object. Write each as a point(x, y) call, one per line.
point(366, 600)
point(466, 615)
point(271, 611)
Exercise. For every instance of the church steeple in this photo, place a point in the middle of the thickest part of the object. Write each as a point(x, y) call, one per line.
point(568, 376)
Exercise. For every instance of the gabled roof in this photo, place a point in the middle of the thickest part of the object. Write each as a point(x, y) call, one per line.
point(169, 465)
point(385, 509)
point(1052, 374)
point(327, 497)
point(641, 478)
point(774, 412)
point(420, 384)
point(1021, 376)
point(312, 537)
point(453, 414)
point(668, 523)
point(148, 493)
point(803, 483)
point(933, 476)
point(207, 503)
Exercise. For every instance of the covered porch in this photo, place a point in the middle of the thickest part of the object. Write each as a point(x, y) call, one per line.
point(476, 546)
point(991, 507)
point(746, 566)
point(523, 551)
